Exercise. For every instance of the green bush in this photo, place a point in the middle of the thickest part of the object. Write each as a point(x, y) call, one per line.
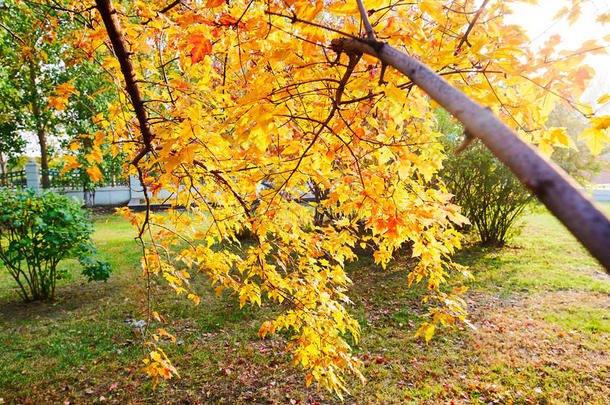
point(36, 233)
point(491, 197)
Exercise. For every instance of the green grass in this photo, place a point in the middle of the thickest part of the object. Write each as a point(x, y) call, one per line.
point(581, 317)
point(540, 307)
point(544, 257)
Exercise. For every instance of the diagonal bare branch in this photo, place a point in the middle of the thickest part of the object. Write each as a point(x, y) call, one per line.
point(470, 27)
point(370, 34)
point(551, 185)
point(108, 13)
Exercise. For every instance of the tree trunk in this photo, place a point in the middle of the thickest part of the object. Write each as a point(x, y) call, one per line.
point(44, 162)
point(89, 197)
point(40, 132)
point(3, 168)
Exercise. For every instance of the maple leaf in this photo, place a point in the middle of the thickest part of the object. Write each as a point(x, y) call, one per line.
point(58, 103)
point(94, 173)
point(214, 3)
point(60, 96)
point(202, 47)
point(603, 99)
point(582, 76)
point(70, 162)
point(595, 139)
point(603, 18)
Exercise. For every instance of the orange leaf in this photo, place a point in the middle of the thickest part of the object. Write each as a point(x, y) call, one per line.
point(214, 3)
point(201, 47)
point(95, 173)
point(71, 163)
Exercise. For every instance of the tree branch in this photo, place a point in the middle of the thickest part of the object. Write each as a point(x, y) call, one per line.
point(370, 34)
point(108, 13)
point(546, 180)
point(470, 27)
point(113, 28)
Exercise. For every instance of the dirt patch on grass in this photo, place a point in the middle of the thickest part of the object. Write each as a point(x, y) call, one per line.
point(525, 358)
point(566, 299)
point(69, 298)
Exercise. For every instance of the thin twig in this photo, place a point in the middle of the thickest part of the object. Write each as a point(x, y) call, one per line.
point(370, 34)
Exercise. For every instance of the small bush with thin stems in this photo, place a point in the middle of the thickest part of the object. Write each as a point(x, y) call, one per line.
point(37, 231)
point(491, 197)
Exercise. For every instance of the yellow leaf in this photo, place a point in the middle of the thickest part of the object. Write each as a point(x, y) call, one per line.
point(595, 139)
point(429, 7)
point(429, 332)
point(163, 332)
point(395, 94)
point(603, 99)
point(561, 13)
point(155, 356)
point(193, 297)
point(602, 122)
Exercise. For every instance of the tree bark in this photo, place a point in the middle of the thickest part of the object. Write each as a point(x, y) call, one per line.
point(40, 132)
point(551, 185)
point(3, 168)
point(115, 34)
point(89, 197)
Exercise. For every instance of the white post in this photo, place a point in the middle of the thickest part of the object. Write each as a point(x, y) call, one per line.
point(136, 191)
point(32, 176)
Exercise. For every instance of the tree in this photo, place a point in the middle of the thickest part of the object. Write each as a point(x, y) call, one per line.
point(93, 164)
point(576, 158)
point(39, 75)
point(219, 97)
point(11, 144)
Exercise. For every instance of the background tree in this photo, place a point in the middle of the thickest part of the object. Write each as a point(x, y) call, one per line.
point(12, 144)
point(40, 74)
point(91, 163)
point(220, 97)
point(491, 197)
point(575, 159)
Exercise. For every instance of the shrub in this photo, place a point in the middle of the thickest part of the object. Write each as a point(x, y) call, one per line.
point(36, 233)
point(491, 197)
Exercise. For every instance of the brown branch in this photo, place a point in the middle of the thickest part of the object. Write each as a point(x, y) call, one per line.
point(294, 19)
point(12, 33)
point(370, 34)
point(169, 6)
point(115, 34)
point(354, 57)
point(546, 180)
point(470, 27)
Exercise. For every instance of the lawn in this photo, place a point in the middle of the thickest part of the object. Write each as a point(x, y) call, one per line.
point(541, 309)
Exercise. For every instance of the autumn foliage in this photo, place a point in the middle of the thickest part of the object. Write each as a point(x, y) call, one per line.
point(243, 93)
